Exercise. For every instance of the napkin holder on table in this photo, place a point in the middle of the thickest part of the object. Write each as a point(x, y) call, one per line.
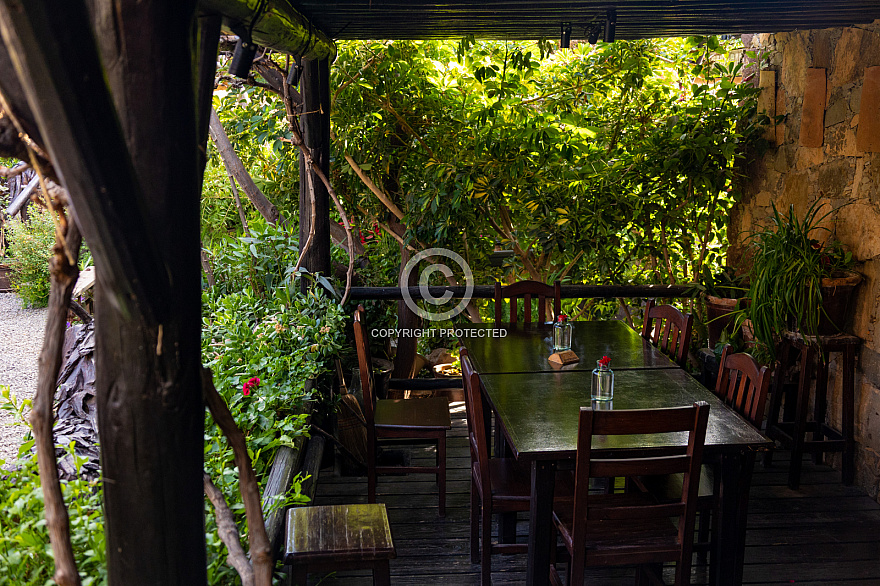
point(558, 359)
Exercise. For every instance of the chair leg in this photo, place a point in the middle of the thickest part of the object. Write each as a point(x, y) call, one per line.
point(475, 523)
point(703, 534)
point(797, 450)
point(441, 474)
point(486, 544)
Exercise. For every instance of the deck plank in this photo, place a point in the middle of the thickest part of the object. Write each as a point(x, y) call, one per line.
point(825, 533)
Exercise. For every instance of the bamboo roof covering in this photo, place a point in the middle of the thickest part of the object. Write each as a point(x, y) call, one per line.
point(534, 19)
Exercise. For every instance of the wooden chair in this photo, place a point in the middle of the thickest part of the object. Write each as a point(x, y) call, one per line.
point(669, 330)
point(399, 419)
point(743, 385)
point(633, 528)
point(526, 290)
point(498, 485)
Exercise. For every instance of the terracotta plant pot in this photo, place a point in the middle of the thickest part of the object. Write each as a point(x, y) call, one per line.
point(837, 292)
point(5, 286)
point(720, 312)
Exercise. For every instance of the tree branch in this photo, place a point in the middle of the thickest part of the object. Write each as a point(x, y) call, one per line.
point(392, 207)
point(316, 169)
point(228, 531)
point(352, 79)
point(63, 278)
point(10, 172)
point(386, 104)
point(235, 167)
point(260, 549)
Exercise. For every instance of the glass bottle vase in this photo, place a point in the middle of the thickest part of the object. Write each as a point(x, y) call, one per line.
point(561, 336)
point(602, 388)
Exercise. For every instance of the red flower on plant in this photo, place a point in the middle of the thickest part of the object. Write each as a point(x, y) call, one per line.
point(249, 386)
point(605, 361)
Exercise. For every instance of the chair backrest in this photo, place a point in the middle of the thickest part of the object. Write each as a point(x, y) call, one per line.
point(478, 437)
point(365, 362)
point(743, 385)
point(691, 419)
point(669, 330)
point(526, 290)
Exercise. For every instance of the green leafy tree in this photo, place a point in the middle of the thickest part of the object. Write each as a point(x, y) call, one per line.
point(605, 164)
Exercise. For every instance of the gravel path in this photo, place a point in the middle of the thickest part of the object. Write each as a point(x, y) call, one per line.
point(21, 338)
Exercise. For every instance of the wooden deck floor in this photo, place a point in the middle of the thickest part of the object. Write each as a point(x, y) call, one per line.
point(823, 534)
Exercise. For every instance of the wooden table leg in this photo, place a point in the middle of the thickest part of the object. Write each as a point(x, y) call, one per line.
point(729, 554)
point(800, 420)
point(506, 521)
point(541, 522)
point(382, 573)
point(849, 369)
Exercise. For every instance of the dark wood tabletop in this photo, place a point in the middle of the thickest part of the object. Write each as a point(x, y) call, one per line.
point(526, 349)
point(539, 411)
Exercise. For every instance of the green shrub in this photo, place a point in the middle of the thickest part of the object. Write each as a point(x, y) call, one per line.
point(275, 333)
point(29, 250)
point(25, 553)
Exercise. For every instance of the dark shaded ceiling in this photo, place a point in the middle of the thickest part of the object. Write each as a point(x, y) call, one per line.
point(534, 19)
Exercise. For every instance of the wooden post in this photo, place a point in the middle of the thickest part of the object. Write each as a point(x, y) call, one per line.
point(118, 115)
point(315, 124)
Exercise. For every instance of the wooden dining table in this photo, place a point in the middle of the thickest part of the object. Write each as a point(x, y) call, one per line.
point(536, 409)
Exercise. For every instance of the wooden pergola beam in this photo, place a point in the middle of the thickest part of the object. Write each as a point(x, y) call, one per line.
point(275, 24)
point(315, 124)
point(123, 116)
point(59, 72)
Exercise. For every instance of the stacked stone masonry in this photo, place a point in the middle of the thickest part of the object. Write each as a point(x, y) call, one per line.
point(845, 181)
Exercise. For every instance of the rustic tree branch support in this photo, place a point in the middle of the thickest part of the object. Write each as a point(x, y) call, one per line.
point(228, 531)
point(261, 551)
point(63, 278)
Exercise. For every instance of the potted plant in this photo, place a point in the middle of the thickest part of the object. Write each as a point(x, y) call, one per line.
point(796, 280)
point(722, 292)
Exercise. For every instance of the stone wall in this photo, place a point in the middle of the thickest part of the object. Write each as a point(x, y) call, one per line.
point(846, 181)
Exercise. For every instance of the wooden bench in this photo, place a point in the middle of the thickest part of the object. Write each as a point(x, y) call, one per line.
point(339, 537)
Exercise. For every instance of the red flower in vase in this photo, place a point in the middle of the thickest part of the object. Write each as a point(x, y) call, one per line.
point(562, 318)
point(605, 361)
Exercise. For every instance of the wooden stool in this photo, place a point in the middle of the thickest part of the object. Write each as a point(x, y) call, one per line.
point(341, 537)
point(825, 438)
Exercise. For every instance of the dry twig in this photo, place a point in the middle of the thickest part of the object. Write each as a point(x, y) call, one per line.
point(316, 169)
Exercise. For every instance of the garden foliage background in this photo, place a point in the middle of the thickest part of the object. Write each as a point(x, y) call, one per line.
point(613, 163)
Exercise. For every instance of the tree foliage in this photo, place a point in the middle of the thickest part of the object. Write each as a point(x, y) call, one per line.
point(611, 163)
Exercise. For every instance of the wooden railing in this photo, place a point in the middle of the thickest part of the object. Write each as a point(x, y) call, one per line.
point(568, 291)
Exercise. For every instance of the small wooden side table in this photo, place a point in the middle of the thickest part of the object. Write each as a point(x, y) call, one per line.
point(339, 537)
point(792, 434)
